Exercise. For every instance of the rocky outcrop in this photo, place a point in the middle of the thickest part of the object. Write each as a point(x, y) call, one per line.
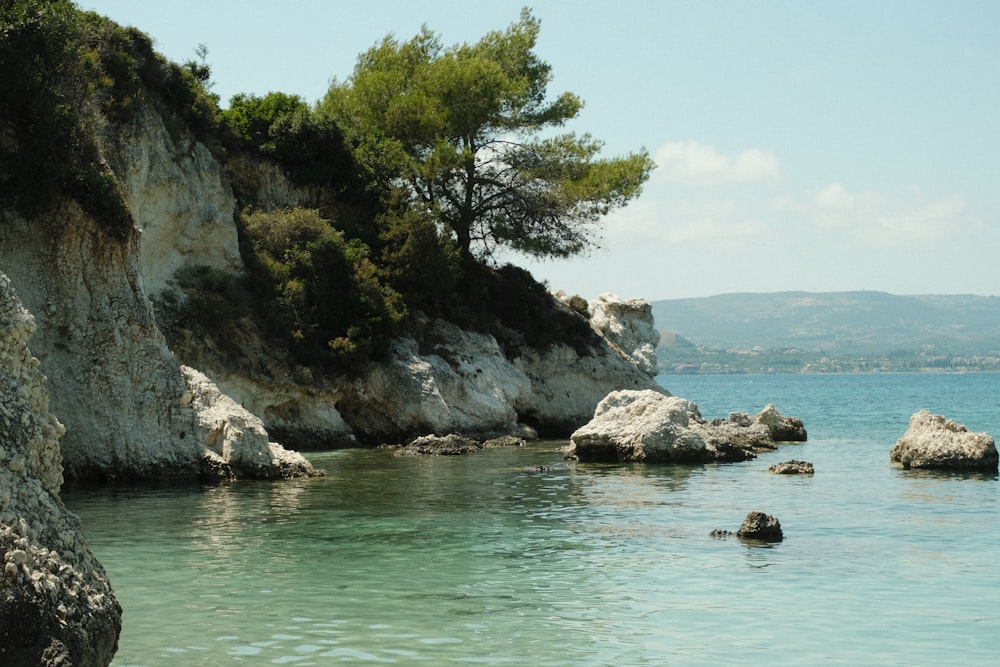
point(434, 445)
point(456, 381)
point(782, 429)
point(648, 426)
point(454, 445)
point(627, 324)
point(234, 442)
point(566, 386)
point(56, 604)
point(761, 527)
point(933, 442)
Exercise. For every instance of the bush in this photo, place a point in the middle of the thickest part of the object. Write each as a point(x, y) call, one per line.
point(522, 303)
point(48, 113)
point(281, 126)
point(326, 289)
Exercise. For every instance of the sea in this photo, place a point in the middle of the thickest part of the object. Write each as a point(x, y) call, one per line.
point(516, 556)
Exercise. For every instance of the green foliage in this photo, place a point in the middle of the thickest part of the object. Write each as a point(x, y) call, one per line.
point(330, 298)
point(308, 145)
point(251, 117)
point(459, 129)
point(523, 304)
point(424, 266)
point(48, 112)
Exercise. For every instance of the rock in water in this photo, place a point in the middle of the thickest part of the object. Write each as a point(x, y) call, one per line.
point(649, 426)
point(56, 604)
point(933, 442)
point(760, 526)
point(792, 467)
point(440, 445)
point(783, 429)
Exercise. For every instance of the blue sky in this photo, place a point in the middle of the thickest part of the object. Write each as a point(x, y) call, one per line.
point(818, 146)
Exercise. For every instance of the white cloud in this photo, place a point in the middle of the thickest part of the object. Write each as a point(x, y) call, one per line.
point(711, 221)
point(693, 163)
point(872, 217)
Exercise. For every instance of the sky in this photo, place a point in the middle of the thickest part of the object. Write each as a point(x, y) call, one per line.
point(815, 146)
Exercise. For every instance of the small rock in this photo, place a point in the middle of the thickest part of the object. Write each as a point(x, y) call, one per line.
point(760, 526)
point(792, 467)
point(436, 445)
point(505, 441)
point(721, 532)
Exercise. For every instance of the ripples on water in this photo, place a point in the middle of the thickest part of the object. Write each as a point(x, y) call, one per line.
point(482, 560)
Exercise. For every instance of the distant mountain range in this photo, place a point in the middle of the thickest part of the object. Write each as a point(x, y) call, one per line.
point(845, 324)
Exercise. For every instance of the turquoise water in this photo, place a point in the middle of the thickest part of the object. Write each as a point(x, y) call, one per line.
point(482, 560)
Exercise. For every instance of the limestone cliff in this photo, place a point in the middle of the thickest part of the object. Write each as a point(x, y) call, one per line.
point(117, 387)
point(129, 404)
point(56, 605)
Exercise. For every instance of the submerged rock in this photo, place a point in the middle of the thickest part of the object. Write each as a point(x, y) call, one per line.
point(56, 603)
point(760, 526)
point(933, 442)
point(648, 426)
point(440, 445)
point(793, 467)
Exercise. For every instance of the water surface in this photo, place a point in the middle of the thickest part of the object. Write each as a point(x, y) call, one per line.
point(486, 560)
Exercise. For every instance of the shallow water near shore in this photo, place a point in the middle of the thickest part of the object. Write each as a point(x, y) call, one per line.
point(487, 559)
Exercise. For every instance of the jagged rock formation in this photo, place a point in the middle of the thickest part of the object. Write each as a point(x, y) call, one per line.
point(648, 426)
point(460, 383)
point(56, 604)
point(933, 442)
point(627, 324)
point(782, 428)
point(448, 381)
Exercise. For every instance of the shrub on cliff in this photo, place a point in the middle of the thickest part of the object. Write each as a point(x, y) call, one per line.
point(48, 111)
point(326, 289)
point(60, 69)
point(283, 127)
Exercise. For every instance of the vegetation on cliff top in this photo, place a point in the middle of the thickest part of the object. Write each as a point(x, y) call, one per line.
point(425, 160)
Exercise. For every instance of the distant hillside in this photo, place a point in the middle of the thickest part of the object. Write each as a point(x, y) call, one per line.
point(861, 321)
point(846, 325)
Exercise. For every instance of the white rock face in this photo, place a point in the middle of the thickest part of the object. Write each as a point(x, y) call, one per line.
point(933, 442)
point(647, 426)
point(566, 387)
point(55, 598)
point(463, 385)
point(643, 426)
point(628, 325)
point(307, 415)
point(180, 200)
point(234, 440)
